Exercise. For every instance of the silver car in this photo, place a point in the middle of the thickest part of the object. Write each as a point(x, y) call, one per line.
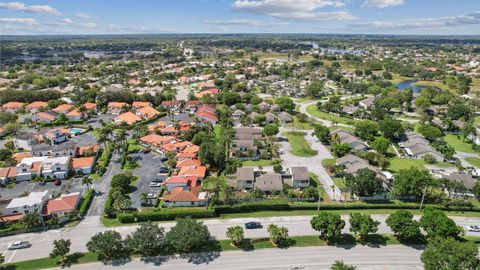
point(473, 228)
point(19, 245)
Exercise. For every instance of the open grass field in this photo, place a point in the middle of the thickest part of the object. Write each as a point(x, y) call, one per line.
point(432, 84)
point(300, 146)
point(458, 143)
point(260, 162)
point(312, 109)
point(397, 164)
point(473, 161)
point(133, 146)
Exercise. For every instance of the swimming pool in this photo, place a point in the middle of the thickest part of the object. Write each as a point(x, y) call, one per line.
point(76, 130)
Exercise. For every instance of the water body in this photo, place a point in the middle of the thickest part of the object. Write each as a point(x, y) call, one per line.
point(410, 84)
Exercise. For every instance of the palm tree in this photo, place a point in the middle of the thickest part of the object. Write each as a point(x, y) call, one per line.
point(144, 197)
point(86, 180)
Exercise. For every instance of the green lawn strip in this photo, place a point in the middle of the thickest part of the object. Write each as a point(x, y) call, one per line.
point(473, 161)
point(43, 263)
point(133, 146)
point(260, 162)
point(432, 84)
point(397, 164)
point(316, 183)
point(398, 78)
point(340, 183)
point(300, 125)
point(312, 109)
point(217, 129)
point(458, 143)
point(299, 145)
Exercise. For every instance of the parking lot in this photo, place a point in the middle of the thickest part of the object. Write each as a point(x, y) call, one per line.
point(150, 164)
point(18, 189)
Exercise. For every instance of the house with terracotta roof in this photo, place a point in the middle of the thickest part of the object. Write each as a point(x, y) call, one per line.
point(64, 108)
point(157, 126)
point(12, 106)
point(75, 115)
point(192, 105)
point(174, 105)
point(184, 197)
point(87, 150)
point(191, 149)
point(83, 165)
point(147, 112)
point(62, 205)
point(129, 118)
point(91, 107)
point(211, 91)
point(183, 156)
point(168, 130)
point(116, 107)
point(45, 117)
point(140, 104)
point(180, 181)
point(35, 106)
point(188, 163)
point(200, 172)
point(7, 174)
point(29, 168)
point(206, 117)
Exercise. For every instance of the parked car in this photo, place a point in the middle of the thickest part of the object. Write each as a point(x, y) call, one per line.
point(145, 151)
point(163, 170)
point(473, 228)
point(253, 225)
point(19, 245)
point(151, 196)
point(155, 184)
point(57, 183)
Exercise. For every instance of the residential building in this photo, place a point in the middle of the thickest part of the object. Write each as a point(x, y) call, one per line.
point(33, 202)
point(24, 140)
point(62, 205)
point(56, 167)
point(116, 107)
point(269, 182)
point(83, 165)
point(12, 106)
point(35, 106)
point(128, 117)
point(347, 138)
point(182, 197)
point(297, 177)
point(45, 117)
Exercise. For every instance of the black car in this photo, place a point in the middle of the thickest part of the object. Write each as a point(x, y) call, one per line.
point(253, 225)
point(163, 170)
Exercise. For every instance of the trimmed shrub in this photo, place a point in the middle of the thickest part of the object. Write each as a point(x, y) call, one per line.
point(86, 200)
point(166, 214)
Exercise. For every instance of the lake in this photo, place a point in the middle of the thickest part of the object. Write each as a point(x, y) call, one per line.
point(410, 84)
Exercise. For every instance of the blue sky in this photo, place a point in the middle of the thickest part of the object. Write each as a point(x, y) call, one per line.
point(460, 17)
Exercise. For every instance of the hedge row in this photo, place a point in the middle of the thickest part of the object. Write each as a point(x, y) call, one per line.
point(87, 198)
point(166, 214)
point(251, 207)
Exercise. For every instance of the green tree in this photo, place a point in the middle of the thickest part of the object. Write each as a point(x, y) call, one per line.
point(277, 168)
point(314, 89)
point(448, 254)
point(121, 181)
point(381, 145)
point(285, 103)
point(148, 240)
point(476, 189)
point(341, 149)
point(86, 180)
point(411, 182)
point(330, 225)
point(430, 133)
point(323, 134)
point(109, 246)
point(364, 183)
point(270, 130)
point(61, 248)
point(363, 224)
point(436, 223)
point(366, 129)
point(340, 265)
point(236, 235)
point(31, 219)
point(187, 235)
point(278, 235)
point(403, 225)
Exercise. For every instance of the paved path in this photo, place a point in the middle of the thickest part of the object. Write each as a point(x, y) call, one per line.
point(314, 163)
point(462, 156)
point(303, 109)
point(307, 258)
point(297, 225)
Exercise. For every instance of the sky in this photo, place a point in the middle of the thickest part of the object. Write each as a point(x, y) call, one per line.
point(418, 17)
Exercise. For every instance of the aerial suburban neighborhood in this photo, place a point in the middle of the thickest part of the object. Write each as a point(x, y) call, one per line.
point(203, 149)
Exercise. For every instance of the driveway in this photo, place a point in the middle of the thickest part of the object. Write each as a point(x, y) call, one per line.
point(71, 185)
point(149, 165)
point(314, 163)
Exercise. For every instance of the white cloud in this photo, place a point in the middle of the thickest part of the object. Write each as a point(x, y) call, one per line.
point(248, 22)
point(293, 9)
point(44, 9)
point(382, 3)
point(468, 19)
point(82, 15)
point(89, 25)
point(26, 21)
point(65, 21)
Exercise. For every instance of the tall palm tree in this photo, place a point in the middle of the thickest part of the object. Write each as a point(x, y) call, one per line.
point(144, 197)
point(87, 181)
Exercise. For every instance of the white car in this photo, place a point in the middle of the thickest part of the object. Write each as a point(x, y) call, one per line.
point(473, 228)
point(19, 245)
point(155, 184)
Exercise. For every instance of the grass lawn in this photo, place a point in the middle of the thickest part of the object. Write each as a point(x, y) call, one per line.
point(217, 129)
point(458, 143)
point(432, 84)
point(133, 146)
point(340, 183)
point(315, 182)
point(398, 78)
point(299, 145)
point(473, 161)
point(397, 164)
point(260, 162)
point(300, 125)
point(43, 263)
point(312, 109)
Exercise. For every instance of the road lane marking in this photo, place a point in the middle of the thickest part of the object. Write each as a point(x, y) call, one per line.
point(11, 257)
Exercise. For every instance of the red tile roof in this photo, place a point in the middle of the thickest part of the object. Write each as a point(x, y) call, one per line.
point(61, 204)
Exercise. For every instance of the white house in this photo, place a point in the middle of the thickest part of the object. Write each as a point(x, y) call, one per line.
point(29, 168)
point(32, 203)
point(56, 168)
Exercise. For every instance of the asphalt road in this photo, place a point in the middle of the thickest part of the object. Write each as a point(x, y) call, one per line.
point(81, 234)
point(389, 257)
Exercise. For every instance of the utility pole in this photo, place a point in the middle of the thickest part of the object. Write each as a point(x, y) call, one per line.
point(423, 197)
point(319, 198)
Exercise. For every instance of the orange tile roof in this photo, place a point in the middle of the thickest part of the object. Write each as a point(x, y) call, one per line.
point(47, 116)
point(206, 114)
point(178, 194)
point(12, 105)
point(140, 104)
point(171, 102)
point(90, 105)
point(129, 118)
point(198, 171)
point(191, 149)
point(61, 204)
point(36, 166)
point(189, 163)
point(148, 111)
point(37, 104)
point(116, 104)
point(81, 149)
point(181, 156)
point(169, 147)
point(212, 91)
point(13, 217)
point(21, 155)
point(78, 163)
point(63, 107)
point(75, 112)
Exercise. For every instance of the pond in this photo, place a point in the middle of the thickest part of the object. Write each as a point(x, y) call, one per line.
point(410, 84)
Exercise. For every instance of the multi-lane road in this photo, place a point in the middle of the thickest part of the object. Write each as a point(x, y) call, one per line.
point(81, 234)
point(389, 257)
